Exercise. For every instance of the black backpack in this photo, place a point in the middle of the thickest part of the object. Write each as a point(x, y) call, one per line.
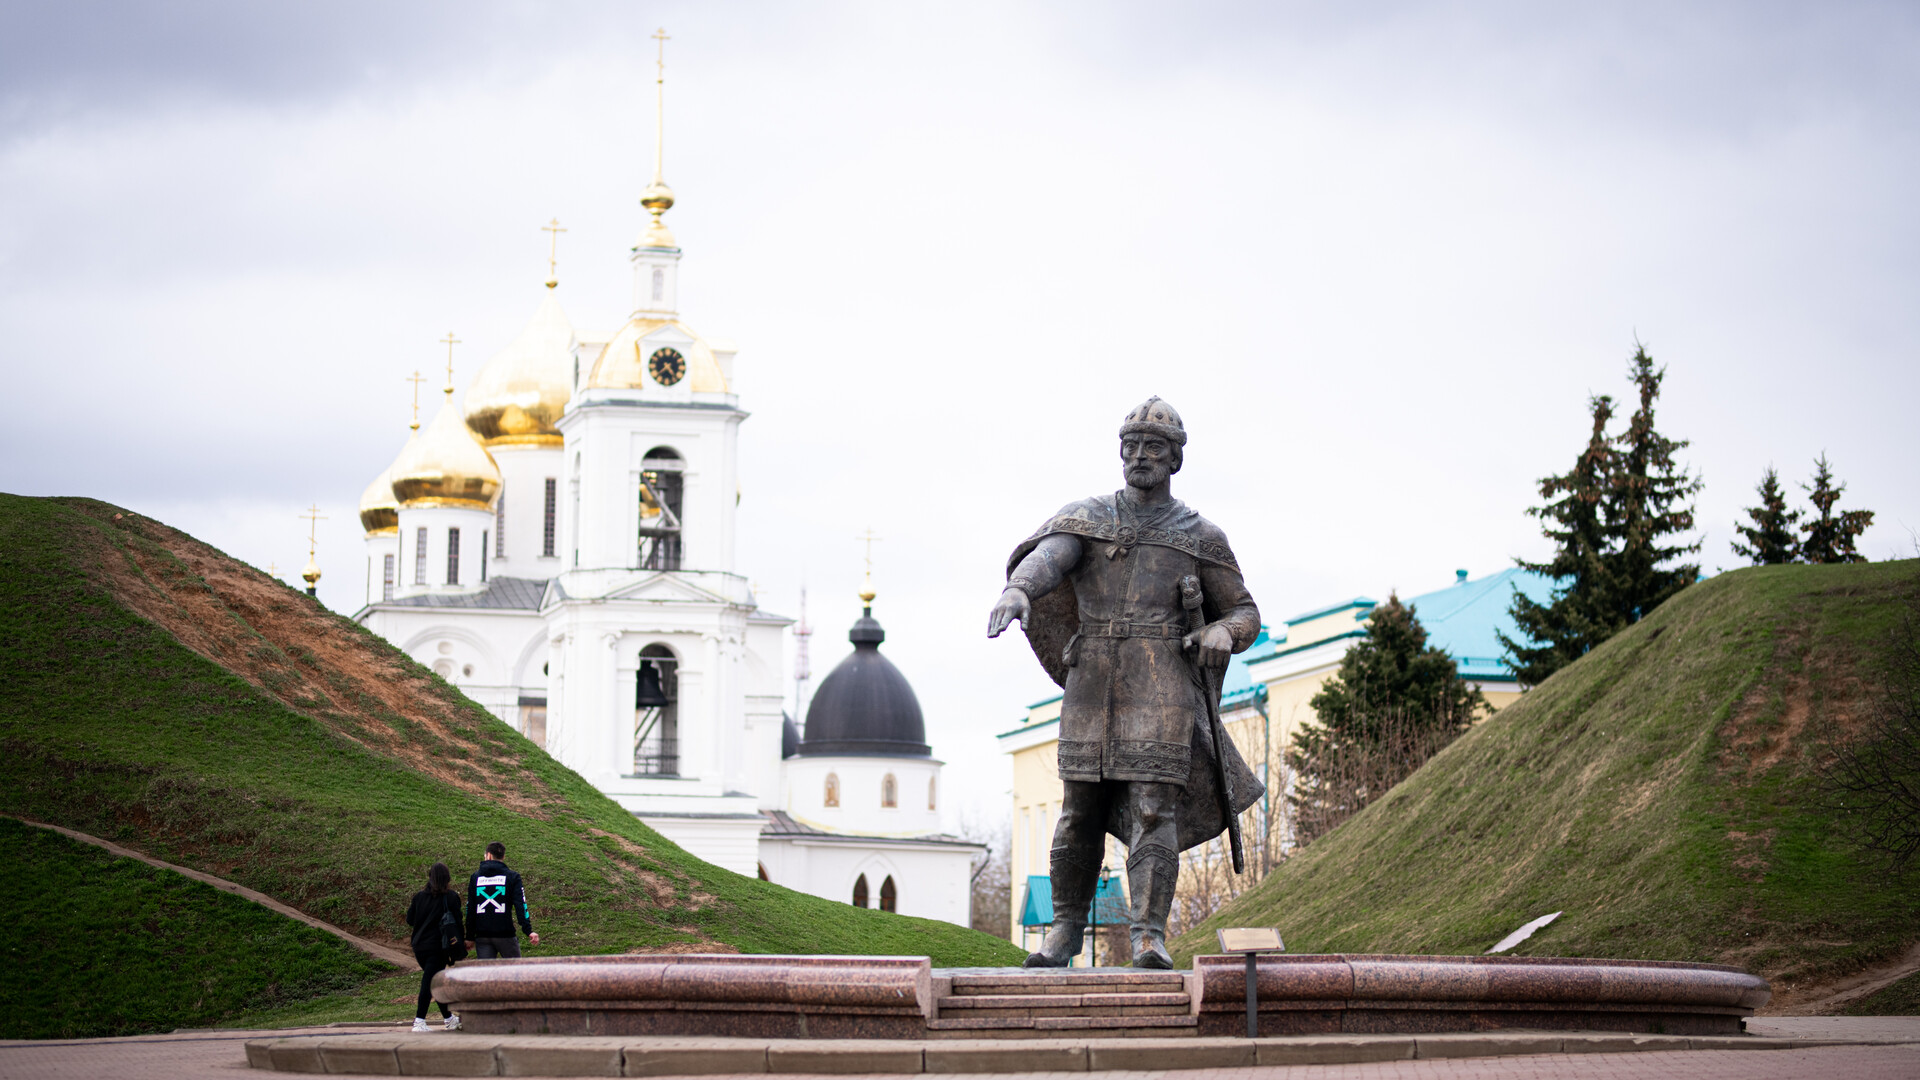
point(452, 944)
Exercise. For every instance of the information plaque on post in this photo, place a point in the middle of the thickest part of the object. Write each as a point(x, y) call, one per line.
point(1251, 941)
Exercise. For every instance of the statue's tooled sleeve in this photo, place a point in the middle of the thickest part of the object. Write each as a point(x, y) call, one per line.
point(1230, 604)
point(1043, 569)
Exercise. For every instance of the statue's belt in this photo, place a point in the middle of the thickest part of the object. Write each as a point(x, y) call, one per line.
point(1121, 629)
point(1126, 536)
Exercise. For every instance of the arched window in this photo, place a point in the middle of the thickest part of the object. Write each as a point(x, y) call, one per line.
point(656, 713)
point(860, 891)
point(662, 488)
point(889, 791)
point(933, 783)
point(889, 896)
point(832, 796)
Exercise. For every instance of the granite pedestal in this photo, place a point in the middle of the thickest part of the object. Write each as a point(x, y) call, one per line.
point(903, 997)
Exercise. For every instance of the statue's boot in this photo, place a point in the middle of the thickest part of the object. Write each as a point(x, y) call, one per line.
point(1151, 873)
point(1072, 896)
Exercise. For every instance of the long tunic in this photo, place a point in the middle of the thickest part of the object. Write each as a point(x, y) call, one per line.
point(1132, 702)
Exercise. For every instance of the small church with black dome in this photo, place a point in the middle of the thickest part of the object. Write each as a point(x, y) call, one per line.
point(861, 793)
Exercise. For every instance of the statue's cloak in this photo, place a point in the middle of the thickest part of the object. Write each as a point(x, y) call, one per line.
point(1055, 620)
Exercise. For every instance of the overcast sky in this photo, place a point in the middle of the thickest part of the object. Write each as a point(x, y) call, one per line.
point(1377, 258)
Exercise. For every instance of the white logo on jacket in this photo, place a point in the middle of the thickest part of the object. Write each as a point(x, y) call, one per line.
point(491, 891)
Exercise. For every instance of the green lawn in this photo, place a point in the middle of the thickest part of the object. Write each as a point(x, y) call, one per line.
point(316, 764)
point(1900, 999)
point(105, 945)
point(1660, 792)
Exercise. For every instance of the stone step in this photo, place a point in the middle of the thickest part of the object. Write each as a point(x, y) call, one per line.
point(1042, 1026)
point(1134, 1004)
point(1065, 983)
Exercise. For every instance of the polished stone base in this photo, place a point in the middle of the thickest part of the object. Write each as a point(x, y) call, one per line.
point(1381, 994)
point(902, 997)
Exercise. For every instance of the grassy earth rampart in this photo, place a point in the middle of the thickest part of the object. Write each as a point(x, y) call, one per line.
point(1661, 792)
point(168, 698)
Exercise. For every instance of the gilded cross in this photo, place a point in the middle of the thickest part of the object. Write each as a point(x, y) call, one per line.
point(416, 379)
point(450, 341)
point(313, 518)
point(867, 593)
point(553, 251)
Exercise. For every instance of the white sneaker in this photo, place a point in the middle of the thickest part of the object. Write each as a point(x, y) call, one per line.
point(451, 1023)
point(419, 1023)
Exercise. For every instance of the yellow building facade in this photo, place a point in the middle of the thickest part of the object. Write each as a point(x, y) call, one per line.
point(1263, 702)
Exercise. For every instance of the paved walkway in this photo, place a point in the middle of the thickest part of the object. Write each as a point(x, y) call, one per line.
point(222, 1054)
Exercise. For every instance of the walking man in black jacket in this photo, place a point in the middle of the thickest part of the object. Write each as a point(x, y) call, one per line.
point(495, 901)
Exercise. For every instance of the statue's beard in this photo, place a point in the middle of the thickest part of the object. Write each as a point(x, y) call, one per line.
point(1147, 477)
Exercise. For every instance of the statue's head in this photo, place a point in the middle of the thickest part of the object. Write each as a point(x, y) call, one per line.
point(1151, 442)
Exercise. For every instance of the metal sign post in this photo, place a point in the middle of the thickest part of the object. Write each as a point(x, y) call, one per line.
point(1251, 941)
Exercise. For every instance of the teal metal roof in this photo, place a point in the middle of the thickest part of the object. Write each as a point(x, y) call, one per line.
point(1316, 613)
point(1464, 619)
point(1109, 903)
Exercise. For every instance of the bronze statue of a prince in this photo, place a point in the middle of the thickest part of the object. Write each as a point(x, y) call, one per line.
point(1134, 604)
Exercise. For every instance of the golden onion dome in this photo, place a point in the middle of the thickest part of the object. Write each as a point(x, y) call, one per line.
point(518, 395)
point(379, 510)
point(623, 362)
point(446, 466)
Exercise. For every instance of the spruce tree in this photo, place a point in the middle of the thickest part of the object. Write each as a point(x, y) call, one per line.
point(1609, 519)
point(1394, 703)
point(1830, 536)
point(1650, 501)
point(1575, 517)
point(1771, 538)
point(1394, 671)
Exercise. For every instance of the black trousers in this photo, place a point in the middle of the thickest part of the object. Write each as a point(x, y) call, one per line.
point(495, 948)
point(430, 965)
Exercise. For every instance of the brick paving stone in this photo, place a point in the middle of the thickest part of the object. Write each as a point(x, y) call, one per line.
point(997, 1056)
point(1876, 1028)
point(696, 1057)
point(468, 1056)
point(534, 1055)
point(222, 1056)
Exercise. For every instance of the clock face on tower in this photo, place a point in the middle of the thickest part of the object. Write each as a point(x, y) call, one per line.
point(666, 366)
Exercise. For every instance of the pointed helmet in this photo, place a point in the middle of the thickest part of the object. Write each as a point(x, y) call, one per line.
point(1155, 417)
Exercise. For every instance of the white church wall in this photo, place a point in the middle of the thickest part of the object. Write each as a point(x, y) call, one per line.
point(474, 649)
point(521, 512)
point(931, 881)
point(730, 842)
point(860, 782)
point(380, 548)
point(436, 524)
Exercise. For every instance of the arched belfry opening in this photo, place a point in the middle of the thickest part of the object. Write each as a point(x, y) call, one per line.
point(889, 896)
point(656, 713)
point(860, 891)
point(662, 490)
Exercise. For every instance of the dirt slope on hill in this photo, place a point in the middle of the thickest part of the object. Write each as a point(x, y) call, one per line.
point(176, 701)
point(1661, 792)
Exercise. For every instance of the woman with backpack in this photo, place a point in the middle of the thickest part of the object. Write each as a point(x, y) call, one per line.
point(439, 939)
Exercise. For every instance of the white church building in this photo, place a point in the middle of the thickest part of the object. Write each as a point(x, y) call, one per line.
point(560, 546)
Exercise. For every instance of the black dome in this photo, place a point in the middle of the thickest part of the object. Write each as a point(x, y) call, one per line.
point(789, 736)
point(864, 707)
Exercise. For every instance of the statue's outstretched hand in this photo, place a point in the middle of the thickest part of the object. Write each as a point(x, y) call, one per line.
point(1215, 644)
point(1012, 605)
